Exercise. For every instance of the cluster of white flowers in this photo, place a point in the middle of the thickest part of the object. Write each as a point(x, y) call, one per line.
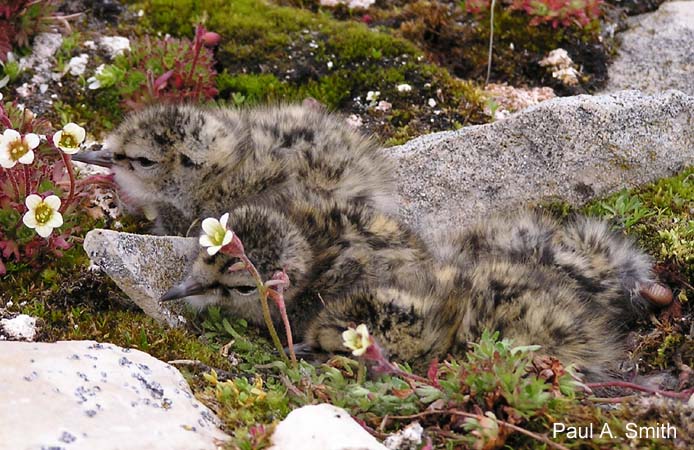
point(42, 213)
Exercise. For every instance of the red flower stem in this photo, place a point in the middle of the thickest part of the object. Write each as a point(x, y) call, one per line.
point(68, 165)
point(278, 297)
point(27, 185)
point(197, 46)
point(684, 395)
point(262, 290)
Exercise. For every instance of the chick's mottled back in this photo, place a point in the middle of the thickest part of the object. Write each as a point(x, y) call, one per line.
point(182, 163)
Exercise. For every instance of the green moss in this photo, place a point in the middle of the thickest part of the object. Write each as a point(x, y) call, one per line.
point(659, 215)
point(270, 53)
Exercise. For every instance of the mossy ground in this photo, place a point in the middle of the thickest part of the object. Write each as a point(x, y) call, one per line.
point(275, 53)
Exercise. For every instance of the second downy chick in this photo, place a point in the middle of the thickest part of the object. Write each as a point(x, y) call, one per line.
point(569, 288)
point(181, 163)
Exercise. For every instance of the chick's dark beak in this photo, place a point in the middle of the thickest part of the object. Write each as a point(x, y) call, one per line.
point(186, 288)
point(102, 158)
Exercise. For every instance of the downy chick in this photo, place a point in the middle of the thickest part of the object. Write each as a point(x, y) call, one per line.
point(329, 250)
point(568, 288)
point(182, 163)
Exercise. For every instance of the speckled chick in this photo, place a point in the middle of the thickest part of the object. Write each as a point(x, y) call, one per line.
point(181, 163)
point(329, 250)
point(568, 288)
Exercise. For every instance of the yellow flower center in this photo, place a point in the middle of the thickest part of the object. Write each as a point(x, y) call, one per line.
point(18, 149)
point(218, 237)
point(68, 140)
point(43, 213)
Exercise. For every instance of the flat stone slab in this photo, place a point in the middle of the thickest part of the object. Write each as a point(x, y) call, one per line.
point(143, 266)
point(657, 51)
point(75, 395)
point(571, 148)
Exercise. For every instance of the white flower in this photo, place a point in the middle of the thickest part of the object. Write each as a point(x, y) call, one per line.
point(404, 87)
point(69, 138)
point(94, 82)
point(431, 102)
point(216, 234)
point(372, 96)
point(14, 148)
point(357, 340)
point(43, 214)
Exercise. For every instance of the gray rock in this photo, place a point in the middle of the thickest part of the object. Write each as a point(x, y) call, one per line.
point(322, 427)
point(657, 51)
point(572, 148)
point(84, 395)
point(143, 266)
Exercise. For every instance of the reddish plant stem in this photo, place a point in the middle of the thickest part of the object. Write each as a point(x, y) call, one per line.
point(684, 395)
point(104, 180)
point(197, 47)
point(68, 165)
point(27, 185)
point(278, 297)
point(262, 291)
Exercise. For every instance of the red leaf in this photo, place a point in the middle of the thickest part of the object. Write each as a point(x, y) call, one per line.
point(433, 373)
point(161, 81)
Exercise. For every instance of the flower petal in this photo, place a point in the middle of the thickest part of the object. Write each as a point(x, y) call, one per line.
point(205, 241)
point(362, 330)
point(75, 130)
point(6, 162)
point(210, 225)
point(27, 158)
point(32, 140)
point(57, 137)
point(223, 220)
point(359, 351)
point(32, 201)
point(213, 250)
point(11, 135)
point(56, 220)
point(29, 219)
point(53, 201)
point(70, 150)
point(228, 236)
point(44, 230)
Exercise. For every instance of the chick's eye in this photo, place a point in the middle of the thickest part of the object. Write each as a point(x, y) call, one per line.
point(245, 290)
point(144, 162)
